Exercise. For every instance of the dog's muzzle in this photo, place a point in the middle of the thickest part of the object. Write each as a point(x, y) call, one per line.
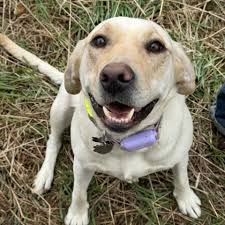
point(118, 112)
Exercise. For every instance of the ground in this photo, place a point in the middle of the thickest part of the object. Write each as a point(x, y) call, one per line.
point(50, 29)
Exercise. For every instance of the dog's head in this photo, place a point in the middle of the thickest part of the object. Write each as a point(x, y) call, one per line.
point(127, 67)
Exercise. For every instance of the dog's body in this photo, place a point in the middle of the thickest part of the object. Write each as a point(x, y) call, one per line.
point(175, 141)
point(165, 74)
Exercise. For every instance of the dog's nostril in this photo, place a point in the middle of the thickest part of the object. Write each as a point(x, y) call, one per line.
point(122, 78)
point(104, 77)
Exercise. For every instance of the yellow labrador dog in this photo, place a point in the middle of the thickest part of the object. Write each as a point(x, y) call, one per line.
point(124, 96)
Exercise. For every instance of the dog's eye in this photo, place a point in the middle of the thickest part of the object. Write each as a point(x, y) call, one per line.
point(155, 46)
point(99, 41)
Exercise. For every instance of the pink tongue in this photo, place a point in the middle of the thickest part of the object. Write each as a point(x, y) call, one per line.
point(119, 110)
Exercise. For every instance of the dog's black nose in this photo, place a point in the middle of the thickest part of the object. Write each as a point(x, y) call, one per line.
point(116, 77)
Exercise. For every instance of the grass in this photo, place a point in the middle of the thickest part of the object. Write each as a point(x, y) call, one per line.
point(50, 29)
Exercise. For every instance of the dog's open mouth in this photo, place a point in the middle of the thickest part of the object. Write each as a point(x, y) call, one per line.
point(120, 117)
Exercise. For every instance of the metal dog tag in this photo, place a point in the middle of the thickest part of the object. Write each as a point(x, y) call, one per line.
point(104, 147)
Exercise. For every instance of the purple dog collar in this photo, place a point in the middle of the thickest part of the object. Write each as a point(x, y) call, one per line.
point(131, 143)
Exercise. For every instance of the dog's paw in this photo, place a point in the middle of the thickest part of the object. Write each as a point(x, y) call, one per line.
point(188, 203)
point(77, 218)
point(43, 180)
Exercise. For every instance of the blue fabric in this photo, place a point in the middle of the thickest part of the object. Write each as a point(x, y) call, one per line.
point(220, 106)
point(218, 110)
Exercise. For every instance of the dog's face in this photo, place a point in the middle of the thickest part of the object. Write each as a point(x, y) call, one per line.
point(127, 67)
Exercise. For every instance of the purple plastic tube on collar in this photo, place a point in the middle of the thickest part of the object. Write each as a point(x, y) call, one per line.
point(140, 140)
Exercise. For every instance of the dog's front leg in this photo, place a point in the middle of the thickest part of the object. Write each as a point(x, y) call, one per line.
point(60, 118)
point(78, 210)
point(188, 202)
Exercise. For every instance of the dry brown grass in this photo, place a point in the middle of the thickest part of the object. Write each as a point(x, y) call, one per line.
point(49, 29)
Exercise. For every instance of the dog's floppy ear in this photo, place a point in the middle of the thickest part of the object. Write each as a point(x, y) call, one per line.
point(184, 71)
point(72, 76)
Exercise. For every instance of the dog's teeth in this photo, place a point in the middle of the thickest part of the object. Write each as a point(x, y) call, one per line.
point(118, 120)
point(130, 115)
point(107, 113)
point(110, 117)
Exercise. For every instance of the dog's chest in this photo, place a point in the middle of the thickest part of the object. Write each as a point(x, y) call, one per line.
point(124, 165)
